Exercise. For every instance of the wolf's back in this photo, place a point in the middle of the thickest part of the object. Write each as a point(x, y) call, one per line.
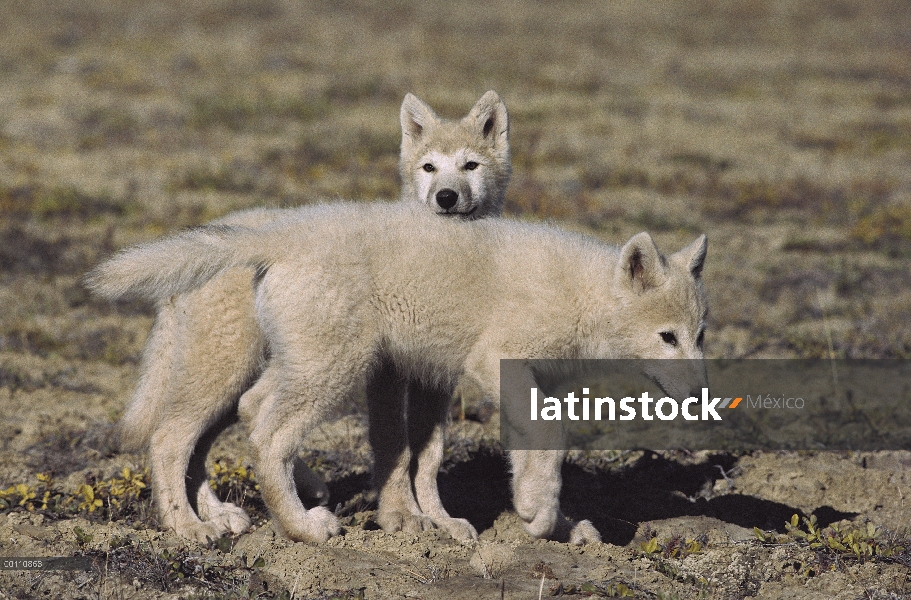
point(180, 263)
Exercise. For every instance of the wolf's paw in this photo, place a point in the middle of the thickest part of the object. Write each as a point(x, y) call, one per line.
point(459, 529)
point(226, 516)
point(574, 533)
point(543, 524)
point(200, 531)
point(394, 520)
point(584, 532)
point(317, 525)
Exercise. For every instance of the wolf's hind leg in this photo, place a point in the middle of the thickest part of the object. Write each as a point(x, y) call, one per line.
point(149, 399)
point(398, 510)
point(216, 355)
point(170, 453)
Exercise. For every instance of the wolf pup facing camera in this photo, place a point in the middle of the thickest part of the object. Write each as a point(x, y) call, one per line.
point(342, 288)
point(205, 349)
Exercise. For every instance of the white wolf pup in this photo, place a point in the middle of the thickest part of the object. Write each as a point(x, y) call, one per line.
point(205, 349)
point(343, 288)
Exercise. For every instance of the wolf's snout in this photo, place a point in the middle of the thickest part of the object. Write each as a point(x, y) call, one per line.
point(447, 198)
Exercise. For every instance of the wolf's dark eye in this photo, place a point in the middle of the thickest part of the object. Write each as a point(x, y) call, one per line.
point(669, 338)
point(471, 165)
point(700, 339)
point(428, 167)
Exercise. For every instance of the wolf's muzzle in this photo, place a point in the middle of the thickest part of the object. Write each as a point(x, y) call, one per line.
point(447, 198)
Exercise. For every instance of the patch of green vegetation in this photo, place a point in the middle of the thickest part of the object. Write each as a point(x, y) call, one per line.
point(237, 483)
point(808, 345)
point(703, 161)
point(531, 197)
point(655, 222)
point(885, 137)
point(372, 146)
point(99, 500)
point(597, 176)
point(110, 344)
point(804, 242)
point(71, 202)
point(810, 141)
point(724, 198)
point(867, 543)
point(104, 126)
point(14, 379)
point(33, 340)
point(612, 588)
point(82, 538)
point(361, 89)
point(675, 546)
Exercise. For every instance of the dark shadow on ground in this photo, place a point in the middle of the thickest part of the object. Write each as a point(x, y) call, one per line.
point(617, 501)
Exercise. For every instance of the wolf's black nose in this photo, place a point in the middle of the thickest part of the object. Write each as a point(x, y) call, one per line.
point(447, 198)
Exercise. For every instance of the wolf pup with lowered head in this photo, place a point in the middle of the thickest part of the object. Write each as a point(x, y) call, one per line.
point(206, 350)
point(343, 288)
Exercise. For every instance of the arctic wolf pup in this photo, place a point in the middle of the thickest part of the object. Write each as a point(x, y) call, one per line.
point(343, 288)
point(205, 349)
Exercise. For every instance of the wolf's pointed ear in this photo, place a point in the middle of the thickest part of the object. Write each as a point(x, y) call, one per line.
point(694, 255)
point(491, 120)
point(641, 266)
point(416, 118)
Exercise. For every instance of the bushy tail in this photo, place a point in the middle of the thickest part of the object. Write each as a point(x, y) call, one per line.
point(178, 264)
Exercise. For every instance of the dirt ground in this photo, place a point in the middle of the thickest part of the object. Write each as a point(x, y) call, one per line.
point(780, 129)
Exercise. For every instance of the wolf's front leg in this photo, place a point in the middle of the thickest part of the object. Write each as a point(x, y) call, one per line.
point(275, 442)
point(428, 415)
point(536, 482)
point(536, 487)
point(398, 510)
point(537, 479)
point(253, 407)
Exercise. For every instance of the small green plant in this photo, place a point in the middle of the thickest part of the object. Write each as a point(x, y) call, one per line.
point(97, 499)
point(604, 589)
point(235, 483)
point(673, 547)
point(82, 538)
point(89, 501)
point(869, 542)
point(21, 496)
